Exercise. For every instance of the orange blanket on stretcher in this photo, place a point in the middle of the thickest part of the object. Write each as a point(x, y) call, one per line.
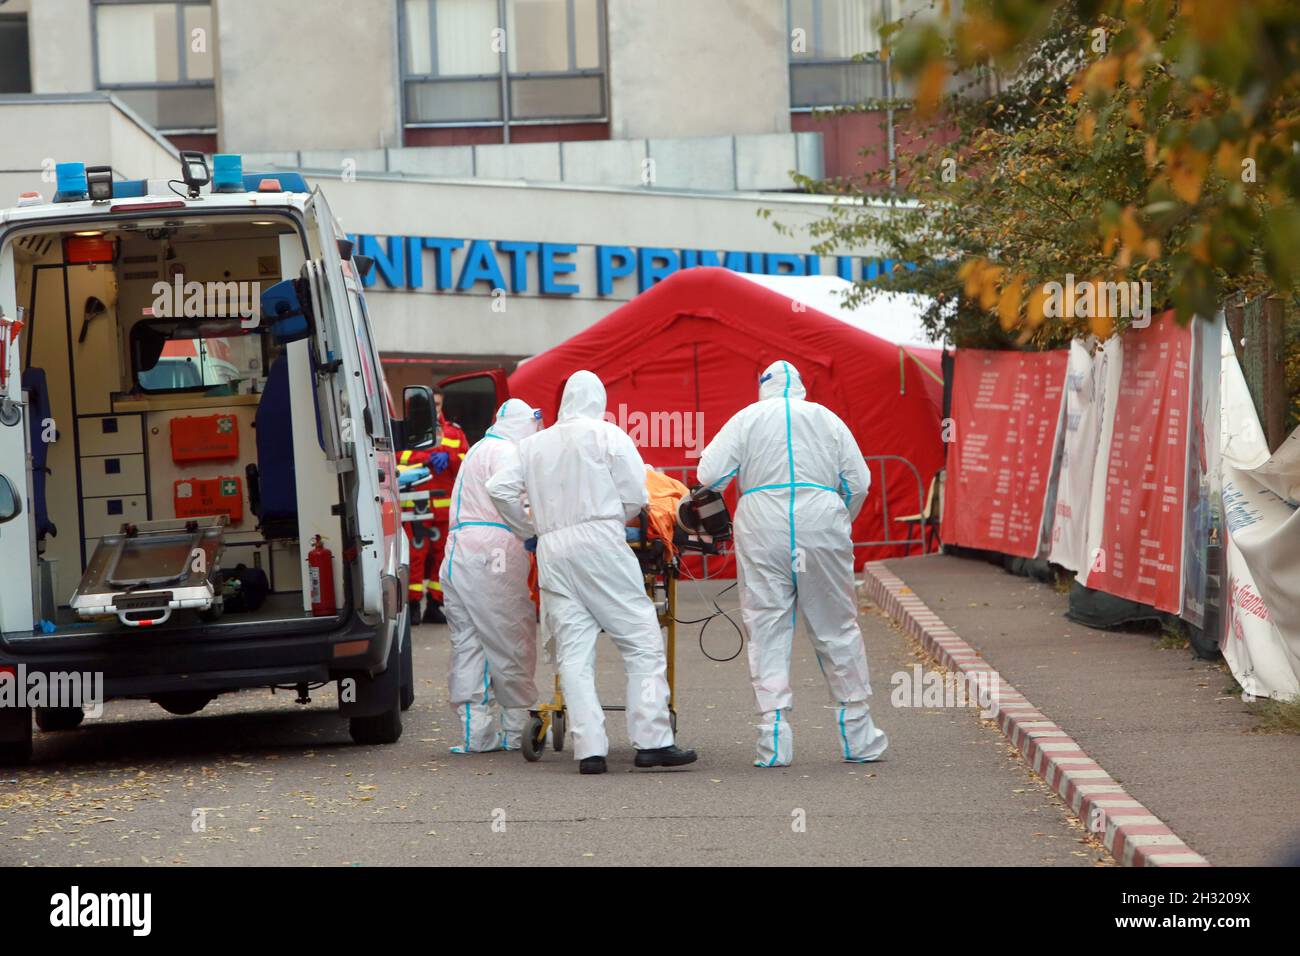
point(664, 494)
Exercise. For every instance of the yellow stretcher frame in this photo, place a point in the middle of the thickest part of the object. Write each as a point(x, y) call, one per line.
point(659, 571)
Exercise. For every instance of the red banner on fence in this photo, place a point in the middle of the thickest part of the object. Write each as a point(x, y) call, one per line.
point(1006, 409)
point(1141, 552)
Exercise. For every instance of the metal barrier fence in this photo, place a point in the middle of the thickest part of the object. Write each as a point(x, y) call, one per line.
point(686, 473)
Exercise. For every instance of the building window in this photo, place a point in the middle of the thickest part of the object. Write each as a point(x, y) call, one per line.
point(481, 62)
point(158, 59)
point(15, 64)
point(835, 50)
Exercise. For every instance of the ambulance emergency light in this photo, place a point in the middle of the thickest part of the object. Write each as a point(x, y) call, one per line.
point(227, 173)
point(70, 181)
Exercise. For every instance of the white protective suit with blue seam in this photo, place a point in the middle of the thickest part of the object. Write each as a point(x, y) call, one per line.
point(802, 482)
point(489, 608)
point(584, 479)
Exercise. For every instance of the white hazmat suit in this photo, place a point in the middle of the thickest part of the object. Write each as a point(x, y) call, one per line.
point(584, 479)
point(489, 609)
point(802, 482)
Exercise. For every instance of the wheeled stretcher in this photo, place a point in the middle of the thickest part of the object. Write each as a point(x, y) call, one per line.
point(147, 570)
point(660, 570)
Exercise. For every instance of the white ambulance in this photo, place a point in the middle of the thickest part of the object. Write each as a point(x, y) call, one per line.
point(198, 490)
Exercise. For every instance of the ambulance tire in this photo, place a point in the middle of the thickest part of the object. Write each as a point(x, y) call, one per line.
point(408, 666)
point(183, 703)
point(16, 727)
point(59, 718)
point(386, 726)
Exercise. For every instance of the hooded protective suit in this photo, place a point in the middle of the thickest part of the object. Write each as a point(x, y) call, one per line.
point(485, 584)
point(584, 479)
point(802, 482)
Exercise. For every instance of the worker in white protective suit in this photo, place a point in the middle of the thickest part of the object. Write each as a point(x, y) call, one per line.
point(802, 482)
point(584, 480)
point(489, 608)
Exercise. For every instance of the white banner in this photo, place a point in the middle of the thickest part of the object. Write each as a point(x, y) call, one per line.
point(1085, 410)
point(1261, 599)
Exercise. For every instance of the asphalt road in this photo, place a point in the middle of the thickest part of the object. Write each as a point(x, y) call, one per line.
point(258, 779)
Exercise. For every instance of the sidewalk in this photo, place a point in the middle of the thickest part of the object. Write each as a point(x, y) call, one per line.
point(1161, 722)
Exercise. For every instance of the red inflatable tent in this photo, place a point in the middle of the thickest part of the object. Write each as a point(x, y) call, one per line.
point(684, 356)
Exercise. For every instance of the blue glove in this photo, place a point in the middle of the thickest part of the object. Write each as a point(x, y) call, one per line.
point(530, 545)
point(441, 461)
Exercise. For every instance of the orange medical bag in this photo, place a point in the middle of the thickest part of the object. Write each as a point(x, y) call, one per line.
point(205, 438)
point(199, 497)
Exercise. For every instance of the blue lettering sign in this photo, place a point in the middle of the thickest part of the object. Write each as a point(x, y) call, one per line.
point(481, 266)
point(390, 264)
point(442, 250)
point(550, 267)
point(518, 252)
point(612, 262)
point(399, 263)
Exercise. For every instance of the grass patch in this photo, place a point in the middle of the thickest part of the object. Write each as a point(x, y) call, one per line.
point(1173, 636)
point(1276, 716)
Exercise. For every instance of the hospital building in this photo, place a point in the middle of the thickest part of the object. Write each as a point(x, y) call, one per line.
point(516, 168)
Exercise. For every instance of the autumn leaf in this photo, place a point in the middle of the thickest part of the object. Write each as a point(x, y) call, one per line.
point(930, 87)
point(1009, 303)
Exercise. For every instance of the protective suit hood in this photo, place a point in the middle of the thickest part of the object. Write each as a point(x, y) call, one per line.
point(515, 420)
point(584, 397)
point(781, 379)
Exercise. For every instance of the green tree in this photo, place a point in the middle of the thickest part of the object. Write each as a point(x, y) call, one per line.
point(1128, 142)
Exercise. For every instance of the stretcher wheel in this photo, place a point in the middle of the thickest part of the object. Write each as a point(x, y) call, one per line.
point(557, 731)
point(533, 741)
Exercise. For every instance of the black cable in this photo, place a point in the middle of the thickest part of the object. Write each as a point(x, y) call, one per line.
point(706, 621)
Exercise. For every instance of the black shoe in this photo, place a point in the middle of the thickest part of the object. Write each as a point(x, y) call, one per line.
point(592, 765)
point(664, 757)
point(414, 611)
point(433, 614)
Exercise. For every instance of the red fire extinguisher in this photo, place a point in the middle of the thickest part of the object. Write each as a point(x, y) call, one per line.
point(320, 564)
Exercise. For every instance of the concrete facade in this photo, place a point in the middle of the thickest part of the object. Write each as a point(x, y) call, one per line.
point(338, 89)
point(483, 248)
point(680, 68)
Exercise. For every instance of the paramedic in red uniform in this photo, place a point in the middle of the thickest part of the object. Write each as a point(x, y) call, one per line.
point(452, 445)
point(419, 534)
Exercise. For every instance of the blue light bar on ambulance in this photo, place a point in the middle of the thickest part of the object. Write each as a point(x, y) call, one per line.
point(289, 182)
point(130, 188)
point(227, 173)
point(71, 180)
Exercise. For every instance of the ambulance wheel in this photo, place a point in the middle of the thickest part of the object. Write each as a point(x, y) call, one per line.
point(59, 718)
point(183, 703)
point(557, 731)
point(385, 728)
point(16, 728)
point(533, 743)
point(408, 667)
